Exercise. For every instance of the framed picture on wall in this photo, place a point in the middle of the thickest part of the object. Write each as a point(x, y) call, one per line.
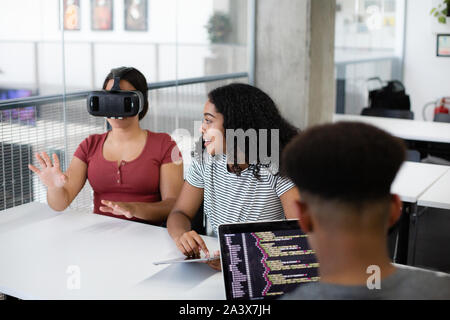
point(71, 14)
point(136, 15)
point(443, 45)
point(101, 15)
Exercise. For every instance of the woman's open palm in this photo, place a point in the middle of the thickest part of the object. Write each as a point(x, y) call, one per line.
point(50, 173)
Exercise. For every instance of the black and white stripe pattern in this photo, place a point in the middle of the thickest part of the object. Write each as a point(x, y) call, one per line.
point(229, 198)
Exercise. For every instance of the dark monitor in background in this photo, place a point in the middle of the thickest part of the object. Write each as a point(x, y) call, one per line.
point(264, 260)
point(26, 115)
point(7, 94)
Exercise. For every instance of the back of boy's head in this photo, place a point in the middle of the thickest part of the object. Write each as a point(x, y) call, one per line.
point(347, 162)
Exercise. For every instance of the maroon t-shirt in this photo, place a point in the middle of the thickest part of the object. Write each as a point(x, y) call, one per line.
point(131, 181)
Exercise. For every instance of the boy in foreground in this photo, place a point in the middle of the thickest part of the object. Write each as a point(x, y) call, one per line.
point(344, 173)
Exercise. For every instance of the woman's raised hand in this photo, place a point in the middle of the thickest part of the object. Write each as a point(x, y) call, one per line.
point(50, 173)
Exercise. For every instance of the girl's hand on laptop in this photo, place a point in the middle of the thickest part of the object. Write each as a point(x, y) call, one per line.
point(118, 208)
point(190, 243)
point(50, 173)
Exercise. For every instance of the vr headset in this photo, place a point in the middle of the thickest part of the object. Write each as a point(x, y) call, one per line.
point(116, 103)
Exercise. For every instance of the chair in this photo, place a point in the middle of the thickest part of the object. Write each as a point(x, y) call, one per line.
point(198, 223)
point(413, 155)
point(388, 113)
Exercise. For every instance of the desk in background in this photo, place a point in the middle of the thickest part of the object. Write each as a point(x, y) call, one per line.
point(431, 236)
point(429, 138)
point(414, 179)
point(411, 182)
point(438, 195)
point(41, 250)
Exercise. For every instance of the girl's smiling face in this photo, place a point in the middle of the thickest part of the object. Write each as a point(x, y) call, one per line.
point(212, 130)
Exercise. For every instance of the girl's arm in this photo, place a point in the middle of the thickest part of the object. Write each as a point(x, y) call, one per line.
point(179, 221)
point(62, 188)
point(288, 200)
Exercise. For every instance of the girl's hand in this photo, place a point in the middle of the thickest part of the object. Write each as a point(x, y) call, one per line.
point(50, 173)
point(215, 264)
point(190, 243)
point(118, 208)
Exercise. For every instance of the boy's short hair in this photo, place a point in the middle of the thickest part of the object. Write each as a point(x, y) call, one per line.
point(347, 161)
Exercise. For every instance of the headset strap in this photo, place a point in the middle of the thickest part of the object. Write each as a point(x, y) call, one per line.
point(117, 74)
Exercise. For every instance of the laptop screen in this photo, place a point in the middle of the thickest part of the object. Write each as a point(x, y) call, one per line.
point(263, 260)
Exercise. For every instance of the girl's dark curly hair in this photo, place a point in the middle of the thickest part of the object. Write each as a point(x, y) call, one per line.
point(246, 107)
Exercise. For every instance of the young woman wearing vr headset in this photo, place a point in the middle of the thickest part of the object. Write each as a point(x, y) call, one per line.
point(136, 174)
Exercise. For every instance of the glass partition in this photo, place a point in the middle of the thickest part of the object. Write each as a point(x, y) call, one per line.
point(53, 52)
point(369, 38)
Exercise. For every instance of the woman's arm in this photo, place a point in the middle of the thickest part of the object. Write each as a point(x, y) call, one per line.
point(62, 188)
point(179, 221)
point(288, 200)
point(171, 181)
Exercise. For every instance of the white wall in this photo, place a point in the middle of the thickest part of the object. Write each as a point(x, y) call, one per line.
point(426, 77)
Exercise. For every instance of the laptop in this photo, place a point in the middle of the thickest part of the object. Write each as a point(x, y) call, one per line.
point(264, 260)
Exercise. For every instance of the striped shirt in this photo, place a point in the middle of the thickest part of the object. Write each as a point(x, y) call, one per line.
point(230, 198)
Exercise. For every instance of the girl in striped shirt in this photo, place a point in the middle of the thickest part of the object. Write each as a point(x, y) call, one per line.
point(235, 174)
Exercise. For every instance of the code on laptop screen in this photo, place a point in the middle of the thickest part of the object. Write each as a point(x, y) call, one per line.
point(265, 265)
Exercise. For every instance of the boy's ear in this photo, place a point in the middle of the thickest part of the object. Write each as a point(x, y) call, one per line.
point(304, 217)
point(395, 210)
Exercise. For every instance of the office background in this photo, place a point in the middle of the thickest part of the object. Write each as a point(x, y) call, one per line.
point(312, 56)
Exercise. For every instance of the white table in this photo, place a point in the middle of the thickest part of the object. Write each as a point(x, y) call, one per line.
point(411, 182)
point(406, 129)
point(415, 178)
point(114, 258)
point(438, 195)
